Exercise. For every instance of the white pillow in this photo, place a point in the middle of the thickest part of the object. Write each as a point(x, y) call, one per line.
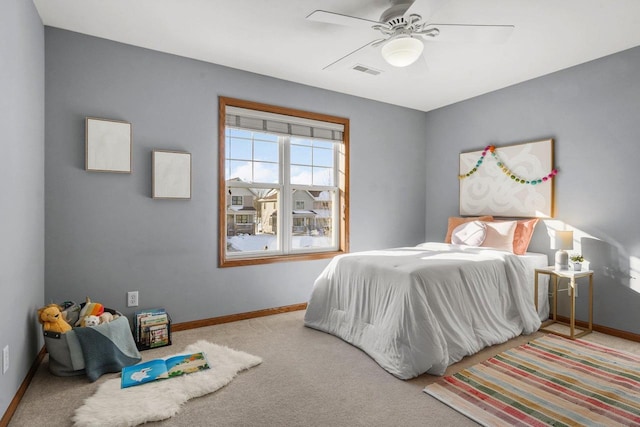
point(470, 233)
point(500, 235)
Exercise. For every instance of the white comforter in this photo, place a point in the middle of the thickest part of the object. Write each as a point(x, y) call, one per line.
point(420, 309)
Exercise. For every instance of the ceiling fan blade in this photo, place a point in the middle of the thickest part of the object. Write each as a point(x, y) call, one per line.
point(359, 50)
point(340, 19)
point(472, 33)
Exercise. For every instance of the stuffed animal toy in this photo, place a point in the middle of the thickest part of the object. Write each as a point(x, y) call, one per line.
point(91, 320)
point(51, 319)
point(107, 317)
point(89, 309)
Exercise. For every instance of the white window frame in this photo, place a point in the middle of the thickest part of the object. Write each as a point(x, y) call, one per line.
point(284, 226)
point(285, 205)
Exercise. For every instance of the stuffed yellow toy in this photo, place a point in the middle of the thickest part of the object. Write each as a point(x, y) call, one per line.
point(52, 320)
point(89, 309)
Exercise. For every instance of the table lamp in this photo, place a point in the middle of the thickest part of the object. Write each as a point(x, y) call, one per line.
point(562, 240)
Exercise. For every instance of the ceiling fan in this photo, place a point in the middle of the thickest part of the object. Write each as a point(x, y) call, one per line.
point(403, 33)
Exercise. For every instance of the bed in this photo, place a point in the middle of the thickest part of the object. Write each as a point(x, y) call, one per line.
point(417, 310)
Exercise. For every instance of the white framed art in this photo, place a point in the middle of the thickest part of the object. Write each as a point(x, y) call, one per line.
point(107, 145)
point(513, 181)
point(171, 174)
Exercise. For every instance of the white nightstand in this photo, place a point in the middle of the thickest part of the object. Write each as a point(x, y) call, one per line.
point(572, 290)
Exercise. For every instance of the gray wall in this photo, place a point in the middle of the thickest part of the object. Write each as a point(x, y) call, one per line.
point(591, 111)
point(106, 236)
point(21, 189)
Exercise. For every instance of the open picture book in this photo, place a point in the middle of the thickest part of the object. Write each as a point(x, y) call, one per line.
point(158, 369)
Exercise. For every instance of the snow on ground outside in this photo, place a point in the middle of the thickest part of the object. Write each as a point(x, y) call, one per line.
point(259, 242)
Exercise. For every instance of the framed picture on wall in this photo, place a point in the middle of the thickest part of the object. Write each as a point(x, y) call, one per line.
point(171, 174)
point(107, 145)
point(512, 181)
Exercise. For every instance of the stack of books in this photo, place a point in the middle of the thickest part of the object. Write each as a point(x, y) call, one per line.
point(152, 328)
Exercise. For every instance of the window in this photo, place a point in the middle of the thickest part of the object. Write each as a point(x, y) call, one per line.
point(283, 184)
point(242, 219)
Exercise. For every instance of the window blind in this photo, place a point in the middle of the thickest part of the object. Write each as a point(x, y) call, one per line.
point(281, 124)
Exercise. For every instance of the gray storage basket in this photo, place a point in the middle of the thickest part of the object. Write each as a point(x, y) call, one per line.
point(65, 354)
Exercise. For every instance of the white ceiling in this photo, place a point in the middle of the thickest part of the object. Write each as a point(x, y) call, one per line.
point(272, 37)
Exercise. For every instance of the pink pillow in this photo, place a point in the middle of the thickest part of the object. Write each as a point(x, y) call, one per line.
point(500, 235)
point(522, 236)
point(455, 221)
point(469, 233)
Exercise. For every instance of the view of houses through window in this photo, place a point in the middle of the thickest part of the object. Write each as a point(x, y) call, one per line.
point(254, 203)
point(283, 191)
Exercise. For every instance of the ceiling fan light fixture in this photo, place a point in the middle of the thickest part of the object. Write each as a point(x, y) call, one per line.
point(402, 51)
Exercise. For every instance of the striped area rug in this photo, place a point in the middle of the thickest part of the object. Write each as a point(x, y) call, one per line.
point(550, 381)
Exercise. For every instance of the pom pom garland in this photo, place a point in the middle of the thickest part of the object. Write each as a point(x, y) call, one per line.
point(492, 150)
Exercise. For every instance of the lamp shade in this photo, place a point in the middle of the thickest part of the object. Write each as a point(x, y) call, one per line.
point(562, 240)
point(402, 51)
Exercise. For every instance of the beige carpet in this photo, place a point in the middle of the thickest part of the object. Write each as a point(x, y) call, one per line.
point(307, 378)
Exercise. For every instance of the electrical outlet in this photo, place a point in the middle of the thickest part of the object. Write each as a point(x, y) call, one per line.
point(5, 359)
point(132, 299)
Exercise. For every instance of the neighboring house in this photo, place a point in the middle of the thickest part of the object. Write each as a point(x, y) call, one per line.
point(311, 213)
point(304, 218)
point(268, 213)
point(241, 211)
point(322, 206)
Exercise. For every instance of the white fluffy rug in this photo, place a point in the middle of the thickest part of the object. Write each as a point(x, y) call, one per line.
point(159, 400)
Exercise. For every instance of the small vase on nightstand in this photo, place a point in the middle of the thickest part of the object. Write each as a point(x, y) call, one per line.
point(576, 266)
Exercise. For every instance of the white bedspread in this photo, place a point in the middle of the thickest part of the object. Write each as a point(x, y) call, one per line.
point(420, 309)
